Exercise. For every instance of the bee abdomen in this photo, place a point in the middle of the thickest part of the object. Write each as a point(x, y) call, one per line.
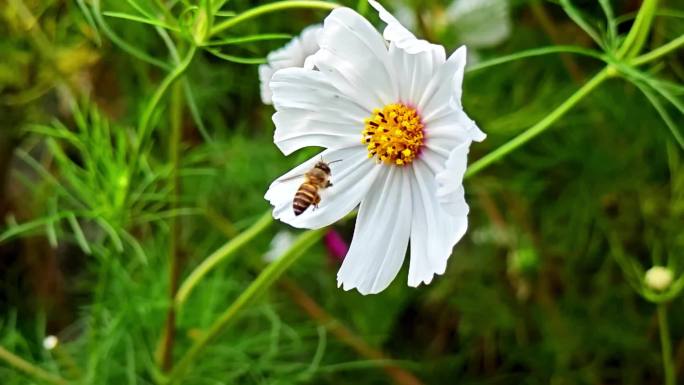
point(305, 196)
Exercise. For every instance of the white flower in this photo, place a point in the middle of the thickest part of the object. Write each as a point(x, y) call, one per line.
point(476, 23)
point(279, 245)
point(480, 23)
point(658, 278)
point(293, 54)
point(389, 109)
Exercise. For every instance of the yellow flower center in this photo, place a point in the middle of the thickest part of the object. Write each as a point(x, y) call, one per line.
point(393, 134)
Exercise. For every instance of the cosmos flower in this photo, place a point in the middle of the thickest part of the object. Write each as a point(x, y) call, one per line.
point(478, 24)
point(293, 54)
point(387, 108)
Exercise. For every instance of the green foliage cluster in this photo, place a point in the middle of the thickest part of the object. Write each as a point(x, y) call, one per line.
point(135, 152)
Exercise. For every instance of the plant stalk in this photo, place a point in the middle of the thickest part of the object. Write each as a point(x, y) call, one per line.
point(636, 37)
point(29, 368)
point(176, 117)
point(660, 51)
point(272, 7)
point(265, 280)
point(541, 126)
point(151, 107)
point(666, 345)
point(220, 255)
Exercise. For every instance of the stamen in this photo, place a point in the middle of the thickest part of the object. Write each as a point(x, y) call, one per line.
point(396, 140)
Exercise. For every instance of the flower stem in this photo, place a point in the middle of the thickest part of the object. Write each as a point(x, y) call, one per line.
point(660, 51)
point(636, 38)
point(30, 369)
point(666, 345)
point(151, 106)
point(169, 333)
point(541, 126)
point(265, 280)
point(399, 375)
point(272, 7)
point(218, 256)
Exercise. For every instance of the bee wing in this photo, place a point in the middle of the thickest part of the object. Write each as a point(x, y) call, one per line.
point(292, 177)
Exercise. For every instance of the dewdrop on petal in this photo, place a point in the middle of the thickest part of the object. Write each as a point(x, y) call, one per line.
point(658, 278)
point(50, 342)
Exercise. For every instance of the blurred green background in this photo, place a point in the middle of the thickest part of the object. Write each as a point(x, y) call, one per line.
point(545, 288)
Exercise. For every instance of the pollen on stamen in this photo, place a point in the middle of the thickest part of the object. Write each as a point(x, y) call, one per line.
point(393, 134)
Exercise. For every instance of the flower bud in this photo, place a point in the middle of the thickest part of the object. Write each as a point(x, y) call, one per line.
point(336, 245)
point(658, 278)
point(50, 342)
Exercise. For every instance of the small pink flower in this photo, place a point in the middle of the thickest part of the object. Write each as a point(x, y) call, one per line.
point(336, 245)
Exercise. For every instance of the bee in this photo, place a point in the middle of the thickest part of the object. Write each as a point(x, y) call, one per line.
point(315, 180)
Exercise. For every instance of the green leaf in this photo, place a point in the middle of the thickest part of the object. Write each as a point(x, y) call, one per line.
point(237, 59)
point(577, 17)
point(139, 19)
point(118, 245)
point(249, 39)
point(137, 248)
point(121, 43)
point(90, 20)
point(195, 112)
point(612, 23)
point(536, 52)
point(78, 233)
point(225, 13)
point(661, 111)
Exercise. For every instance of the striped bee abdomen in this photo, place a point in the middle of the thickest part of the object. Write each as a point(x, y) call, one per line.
point(305, 197)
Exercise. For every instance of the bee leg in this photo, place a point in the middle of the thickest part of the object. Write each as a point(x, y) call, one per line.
point(316, 201)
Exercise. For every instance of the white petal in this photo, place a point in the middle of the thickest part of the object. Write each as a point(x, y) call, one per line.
point(434, 231)
point(444, 91)
point(354, 58)
point(293, 54)
point(397, 33)
point(312, 112)
point(414, 71)
point(451, 130)
point(450, 193)
point(351, 178)
point(481, 23)
point(381, 234)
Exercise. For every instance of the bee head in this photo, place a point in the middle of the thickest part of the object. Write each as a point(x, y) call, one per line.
point(323, 167)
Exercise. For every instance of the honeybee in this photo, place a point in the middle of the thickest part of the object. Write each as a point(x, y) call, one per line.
point(315, 180)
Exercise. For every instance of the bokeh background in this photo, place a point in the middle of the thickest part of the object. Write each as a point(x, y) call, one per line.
point(543, 289)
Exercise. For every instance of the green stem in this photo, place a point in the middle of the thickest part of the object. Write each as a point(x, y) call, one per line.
point(636, 38)
point(272, 7)
point(146, 118)
point(660, 51)
point(666, 345)
point(541, 126)
point(265, 280)
point(219, 256)
point(30, 369)
point(151, 106)
point(169, 333)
